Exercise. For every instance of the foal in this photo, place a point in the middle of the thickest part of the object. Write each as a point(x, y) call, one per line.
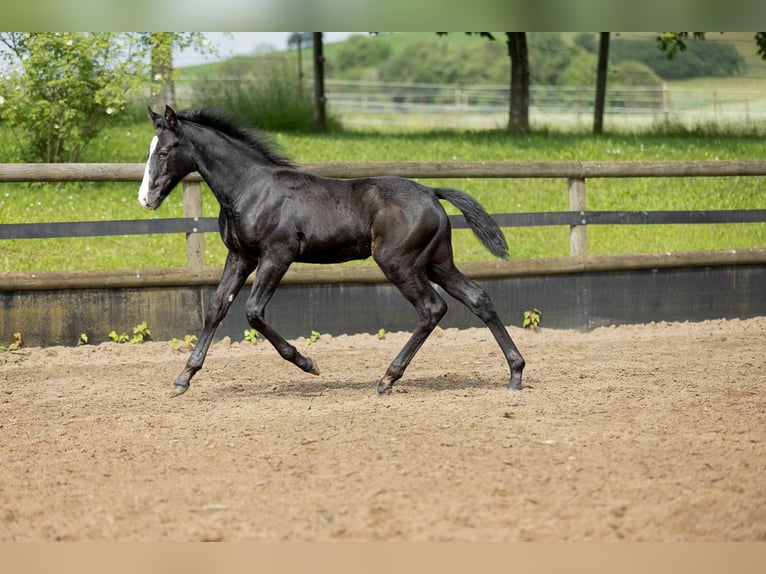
point(273, 214)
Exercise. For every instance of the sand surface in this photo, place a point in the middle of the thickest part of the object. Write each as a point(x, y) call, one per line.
point(652, 432)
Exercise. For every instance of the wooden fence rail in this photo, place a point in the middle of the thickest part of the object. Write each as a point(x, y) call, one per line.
point(575, 172)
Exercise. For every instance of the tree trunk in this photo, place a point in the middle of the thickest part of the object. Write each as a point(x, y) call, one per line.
point(163, 87)
point(518, 122)
point(603, 60)
point(299, 40)
point(320, 121)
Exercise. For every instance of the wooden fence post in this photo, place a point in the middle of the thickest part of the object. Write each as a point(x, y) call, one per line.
point(578, 239)
point(195, 242)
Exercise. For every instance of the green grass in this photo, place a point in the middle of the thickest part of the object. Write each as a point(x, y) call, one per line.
point(127, 143)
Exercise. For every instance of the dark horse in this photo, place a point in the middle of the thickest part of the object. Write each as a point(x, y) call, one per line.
point(273, 214)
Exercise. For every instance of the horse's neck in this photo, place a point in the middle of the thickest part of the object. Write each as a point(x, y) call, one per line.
point(227, 168)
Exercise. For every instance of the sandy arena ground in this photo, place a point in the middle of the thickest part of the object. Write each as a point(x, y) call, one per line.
point(654, 432)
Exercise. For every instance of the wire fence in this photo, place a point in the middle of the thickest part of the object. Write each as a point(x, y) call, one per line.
point(389, 103)
point(365, 104)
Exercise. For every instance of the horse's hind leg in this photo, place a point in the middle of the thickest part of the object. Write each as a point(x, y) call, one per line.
point(473, 296)
point(430, 307)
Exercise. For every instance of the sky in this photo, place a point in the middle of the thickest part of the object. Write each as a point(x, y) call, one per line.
point(244, 43)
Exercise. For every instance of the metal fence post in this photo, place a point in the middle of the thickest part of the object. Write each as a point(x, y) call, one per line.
point(195, 242)
point(578, 238)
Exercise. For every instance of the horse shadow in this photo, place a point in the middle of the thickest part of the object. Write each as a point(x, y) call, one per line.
point(314, 388)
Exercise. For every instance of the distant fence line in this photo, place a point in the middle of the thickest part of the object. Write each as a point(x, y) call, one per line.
point(194, 224)
point(360, 101)
point(627, 97)
point(472, 103)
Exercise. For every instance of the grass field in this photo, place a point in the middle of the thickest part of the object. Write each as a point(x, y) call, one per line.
point(127, 143)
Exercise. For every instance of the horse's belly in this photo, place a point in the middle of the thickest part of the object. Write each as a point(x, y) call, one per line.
point(334, 252)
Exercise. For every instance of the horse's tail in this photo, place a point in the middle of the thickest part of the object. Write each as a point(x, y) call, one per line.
point(485, 228)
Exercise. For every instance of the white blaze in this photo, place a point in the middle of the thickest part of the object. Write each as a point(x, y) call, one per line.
point(143, 191)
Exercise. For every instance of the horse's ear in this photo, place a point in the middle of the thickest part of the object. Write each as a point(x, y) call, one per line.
point(154, 116)
point(171, 119)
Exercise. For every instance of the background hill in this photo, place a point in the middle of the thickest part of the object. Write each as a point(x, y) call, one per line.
point(426, 80)
point(555, 58)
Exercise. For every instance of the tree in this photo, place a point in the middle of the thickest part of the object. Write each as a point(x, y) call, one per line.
point(603, 59)
point(60, 89)
point(668, 42)
point(518, 122)
point(518, 117)
point(549, 57)
point(672, 42)
point(296, 41)
point(760, 42)
point(320, 115)
point(359, 51)
point(162, 73)
point(161, 69)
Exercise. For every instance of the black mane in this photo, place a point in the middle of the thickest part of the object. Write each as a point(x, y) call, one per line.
point(256, 140)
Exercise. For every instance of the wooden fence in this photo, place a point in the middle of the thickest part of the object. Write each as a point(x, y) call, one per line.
point(578, 218)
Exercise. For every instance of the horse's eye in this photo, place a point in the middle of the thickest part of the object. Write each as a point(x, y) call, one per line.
point(162, 154)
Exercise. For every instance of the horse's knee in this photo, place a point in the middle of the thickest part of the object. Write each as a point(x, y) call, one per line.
point(433, 313)
point(214, 310)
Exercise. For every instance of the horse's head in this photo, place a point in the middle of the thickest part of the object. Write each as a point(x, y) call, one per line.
point(169, 160)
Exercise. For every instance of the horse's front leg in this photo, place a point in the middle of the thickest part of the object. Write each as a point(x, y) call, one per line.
point(267, 278)
point(235, 272)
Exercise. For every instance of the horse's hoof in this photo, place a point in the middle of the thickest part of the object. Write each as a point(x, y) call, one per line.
point(515, 383)
point(384, 388)
point(178, 390)
point(312, 367)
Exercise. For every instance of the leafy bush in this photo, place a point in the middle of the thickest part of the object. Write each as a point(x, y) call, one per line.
point(359, 51)
point(442, 61)
point(549, 57)
point(61, 89)
point(702, 58)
